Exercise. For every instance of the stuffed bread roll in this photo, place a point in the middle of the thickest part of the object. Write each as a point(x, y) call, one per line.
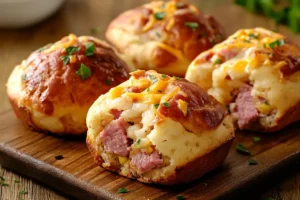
point(52, 90)
point(256, 73)
point(164, 36)
point(158, 129)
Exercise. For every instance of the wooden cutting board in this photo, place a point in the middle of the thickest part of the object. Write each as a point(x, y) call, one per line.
point(33, 154)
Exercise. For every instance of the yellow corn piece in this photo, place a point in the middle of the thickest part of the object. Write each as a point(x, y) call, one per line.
point(264, 108)
point(149, 149)
point(122, 160)
point(182, 105)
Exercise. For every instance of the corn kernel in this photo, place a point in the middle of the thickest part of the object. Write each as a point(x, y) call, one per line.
point(122, 160)
point(264, 108)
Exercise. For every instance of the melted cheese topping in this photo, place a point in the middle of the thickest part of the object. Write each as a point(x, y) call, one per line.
point(168, 8)
point(154, 88)
point(246, 57)
point(62, 44)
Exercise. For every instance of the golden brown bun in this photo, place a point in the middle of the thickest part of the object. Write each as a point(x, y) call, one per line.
point(50, 96)
point(177, 130)
point(257, 61)
point(168, 42)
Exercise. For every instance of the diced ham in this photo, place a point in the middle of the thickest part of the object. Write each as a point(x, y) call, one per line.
point(145, 162)
point(243, 109)
point(114, 137)
point(116, 113)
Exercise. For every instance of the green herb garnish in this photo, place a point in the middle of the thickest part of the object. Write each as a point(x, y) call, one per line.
point(159, 15)
point(192, 25)
point(166, 104)
point(71, 50)
point(2, 178)
point(23, 192)
point(277, 43)
point(84, 72)
point(17, 181)
point(156, 105)
point(253, 36)
point(138, 141)
point(256, 139)
point(95, 30)
point(218, 61)
point(108, 82)
point(158, 34)
point(122, 190)
point(176, 77)
point(179, 197)
point(265, 46)
point(90, 49)
point(252, 162)
point(242, 149)
point(148, 90)
point(163, 76)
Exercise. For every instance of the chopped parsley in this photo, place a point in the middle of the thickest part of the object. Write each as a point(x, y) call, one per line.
point(84, 72)
point(277, 43)
point(95, 30)
point(240, 148)
point(256, 139)
point(148, 90)
point(253, 36)
point(138, 141)
point(265, 46)
point(159, 15)
point(176, 77)
point(122, 190)
point(245, 40)
point(17, 181)
point(179, 197)
point(70, 51)
point(2, 178)
point(4, 184)
point(108, 82)
point(192, 25)
point(163, 76)
point(217, 61)
point(166, 104)
point(90, 49)
point(252, 162)
point(179, 4)
point(156, 105)
point(59, 157)
point(23, 192)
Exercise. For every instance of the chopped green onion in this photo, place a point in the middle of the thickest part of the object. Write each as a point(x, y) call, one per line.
point(192, 25)
point(159, 15)
point(256, 139)
point(90, 49)
point(242, 149)
point(166, 104)
point(84, 72)
point(122, 190)
point(252, 162)
point(277, 43)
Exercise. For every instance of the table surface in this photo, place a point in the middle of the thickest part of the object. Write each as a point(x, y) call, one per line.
point(79, 17)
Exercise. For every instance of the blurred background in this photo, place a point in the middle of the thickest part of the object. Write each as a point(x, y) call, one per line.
point(57, 18)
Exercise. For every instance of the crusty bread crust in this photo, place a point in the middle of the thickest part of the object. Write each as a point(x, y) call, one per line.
point(168, 45)
point(187, 173)
point(49, 95)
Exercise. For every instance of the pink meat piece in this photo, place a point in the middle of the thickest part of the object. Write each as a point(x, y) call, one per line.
point(145, 162)
point(116, 113)
point(243, 109)
point(114, 137)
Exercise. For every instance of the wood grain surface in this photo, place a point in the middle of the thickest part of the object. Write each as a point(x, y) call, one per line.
point(78, 16)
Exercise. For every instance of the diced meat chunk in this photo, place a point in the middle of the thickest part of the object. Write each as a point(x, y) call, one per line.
point(243, 109)
point(114, 137)
point(116, 113)
point(145, 162)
